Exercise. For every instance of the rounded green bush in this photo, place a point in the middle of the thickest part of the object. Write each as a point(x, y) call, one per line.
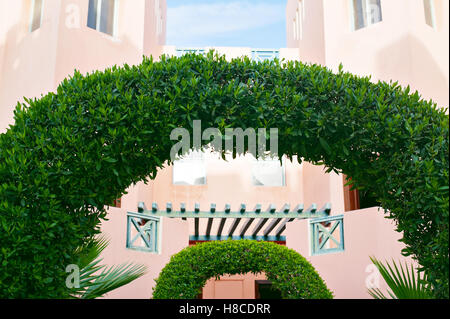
point(72, 151)
point(187, 272)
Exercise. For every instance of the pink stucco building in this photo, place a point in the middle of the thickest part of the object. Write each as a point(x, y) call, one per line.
point(43, 41)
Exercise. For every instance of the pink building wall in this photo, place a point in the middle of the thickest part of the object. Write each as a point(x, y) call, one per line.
point(366, 233)
point(402, 47)
point(232, 287)
point(28, 64)
point(174, 237)
point(34, 63)
point(311, 45)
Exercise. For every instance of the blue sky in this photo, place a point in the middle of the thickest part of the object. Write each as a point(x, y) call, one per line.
point(250, 23)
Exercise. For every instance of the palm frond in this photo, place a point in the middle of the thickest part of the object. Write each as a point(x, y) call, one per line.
point(96, 280)
point(112, 278)
point(403, 282)
point(91, 250)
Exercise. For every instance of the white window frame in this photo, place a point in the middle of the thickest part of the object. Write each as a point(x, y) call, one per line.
point(298, 24)
point(158, 18)
point(294, 28)
point(33, 6)
point(367, 23)
point(189, 157)
point(433, 14)
point(115, 18)
point(298, 20)
point(283, 170)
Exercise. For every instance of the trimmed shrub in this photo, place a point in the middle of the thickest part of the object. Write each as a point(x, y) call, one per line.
point(72, 151)
point(187, 272)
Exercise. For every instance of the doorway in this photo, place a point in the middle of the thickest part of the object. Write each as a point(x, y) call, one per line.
point(264, 290)
point(232, 287)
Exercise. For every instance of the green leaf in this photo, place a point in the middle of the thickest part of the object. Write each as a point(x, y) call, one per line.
point(325, 145)
point(402, 281)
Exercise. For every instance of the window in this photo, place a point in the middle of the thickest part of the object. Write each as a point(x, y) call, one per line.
point(298, 21)
point(190, 169)
point(159, 18)
point(294, 28)
point(264, 290)
point(268, 172)
point(102, 16)
point(36, 14)
point(365, 13)
point(297, 26)
point(429, 12)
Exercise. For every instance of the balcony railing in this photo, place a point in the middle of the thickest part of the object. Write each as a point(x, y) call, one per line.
point(142, 232)
point(327, 235)
point(183, 51)
point(258, 55)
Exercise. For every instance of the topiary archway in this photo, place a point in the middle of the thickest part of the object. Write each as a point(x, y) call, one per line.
point(71, 152)
point(187, 272)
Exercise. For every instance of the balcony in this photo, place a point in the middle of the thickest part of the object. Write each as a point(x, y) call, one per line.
point(261, 55)
point(258, 55)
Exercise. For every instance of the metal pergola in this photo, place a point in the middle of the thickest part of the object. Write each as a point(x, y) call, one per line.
point(268, 225)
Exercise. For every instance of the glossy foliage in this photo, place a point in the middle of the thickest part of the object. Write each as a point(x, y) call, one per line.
point(71, 152)
point(187, 272)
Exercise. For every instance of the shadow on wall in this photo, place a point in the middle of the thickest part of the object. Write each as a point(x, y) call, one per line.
point(427, 75)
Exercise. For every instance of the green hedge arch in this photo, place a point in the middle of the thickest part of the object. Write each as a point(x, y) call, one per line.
point(72, 151)
point(188, 270)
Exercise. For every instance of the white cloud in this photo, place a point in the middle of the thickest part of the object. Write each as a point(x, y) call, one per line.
point(203, 20)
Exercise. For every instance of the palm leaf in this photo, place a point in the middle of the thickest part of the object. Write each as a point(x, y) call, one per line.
point(402, 282)
point(96, 280)
point(112, 278)
point(91, 250)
